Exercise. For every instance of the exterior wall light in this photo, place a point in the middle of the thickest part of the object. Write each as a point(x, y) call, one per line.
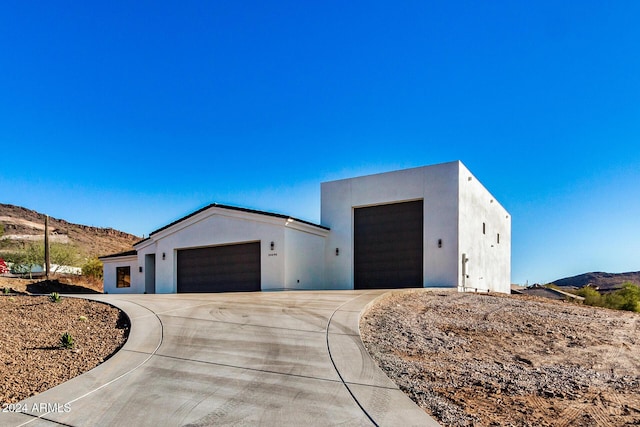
point(337, 251)
point(273, 245)
point(140, 269)
point(164, 256)
point(439, 243)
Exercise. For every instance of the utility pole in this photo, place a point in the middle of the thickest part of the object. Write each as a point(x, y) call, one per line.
point(47, 264)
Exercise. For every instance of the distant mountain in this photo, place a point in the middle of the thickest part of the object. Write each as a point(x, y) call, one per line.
point(21, 225)
point(603, 281)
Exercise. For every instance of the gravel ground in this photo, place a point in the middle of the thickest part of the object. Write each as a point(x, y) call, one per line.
point(32, 359)
point(488, 360)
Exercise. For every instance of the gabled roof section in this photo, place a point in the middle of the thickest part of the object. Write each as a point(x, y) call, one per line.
point(120, 254)
point(143, 240)
point(234, 208)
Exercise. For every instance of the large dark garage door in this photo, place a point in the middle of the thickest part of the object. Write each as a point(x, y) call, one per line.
point(230, 268)
point(388, 246)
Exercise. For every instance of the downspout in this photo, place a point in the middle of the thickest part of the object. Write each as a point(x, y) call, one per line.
point(465, 260)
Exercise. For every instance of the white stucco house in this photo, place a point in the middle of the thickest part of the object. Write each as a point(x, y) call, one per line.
point(432, 226)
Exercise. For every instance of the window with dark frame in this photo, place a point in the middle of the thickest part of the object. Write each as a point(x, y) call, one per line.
point(123, 277)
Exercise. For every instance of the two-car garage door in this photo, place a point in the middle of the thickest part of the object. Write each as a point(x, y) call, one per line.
point(228, 268)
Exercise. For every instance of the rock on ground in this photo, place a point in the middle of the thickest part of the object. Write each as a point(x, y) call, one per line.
point(32, 359)
point(485, 360)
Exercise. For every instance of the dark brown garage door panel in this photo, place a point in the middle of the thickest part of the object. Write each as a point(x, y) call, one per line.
point(388, 246)
point(228, 268)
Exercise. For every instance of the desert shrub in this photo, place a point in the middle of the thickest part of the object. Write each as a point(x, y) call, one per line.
point(15, 257)
point(626, 298)
point(591, 296)
point(55, 297)
point(82, 318)
point(66, 340)
point(92, 268)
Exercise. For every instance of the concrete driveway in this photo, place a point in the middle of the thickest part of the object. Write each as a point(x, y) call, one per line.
point(269, 358)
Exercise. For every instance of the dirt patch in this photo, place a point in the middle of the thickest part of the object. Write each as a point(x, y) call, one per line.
point(485, 360)
point(32, 358)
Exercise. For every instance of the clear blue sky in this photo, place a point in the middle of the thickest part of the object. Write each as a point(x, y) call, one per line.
point(133, 114)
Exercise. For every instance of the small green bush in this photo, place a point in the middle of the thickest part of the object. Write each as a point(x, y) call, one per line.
point(591, 296)
point(55, 297)
point(627, 298)
point(82, 318)
point(93, 268)
point(66, 340)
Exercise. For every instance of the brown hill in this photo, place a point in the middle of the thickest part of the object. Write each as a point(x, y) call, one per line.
point(600, 280)
point(22, 225)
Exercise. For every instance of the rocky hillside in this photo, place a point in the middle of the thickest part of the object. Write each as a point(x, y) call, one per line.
point(602, 281)
point(21, 225)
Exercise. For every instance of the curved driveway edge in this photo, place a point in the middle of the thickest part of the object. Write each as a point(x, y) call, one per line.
point(269, 358)
point(378, 396)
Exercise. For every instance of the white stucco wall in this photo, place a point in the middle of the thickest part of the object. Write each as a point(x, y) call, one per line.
point(489, 265)
point(220, 227)
point(109, 275)
point(454, 210)
point(440, 223)
point(148, 247)
point(435, 185)
point(304, 259)
point(296, 262)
